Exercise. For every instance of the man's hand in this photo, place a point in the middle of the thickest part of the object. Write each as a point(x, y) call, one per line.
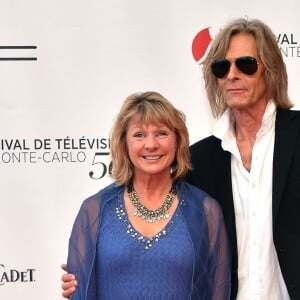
point(69, 283)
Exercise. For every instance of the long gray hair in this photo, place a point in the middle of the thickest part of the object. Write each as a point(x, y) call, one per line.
point(269, 54)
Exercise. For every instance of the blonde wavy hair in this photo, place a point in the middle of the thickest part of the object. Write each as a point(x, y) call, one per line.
point(149, 107)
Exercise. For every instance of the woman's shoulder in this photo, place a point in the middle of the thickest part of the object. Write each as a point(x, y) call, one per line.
point(187, 188)
point(94, 201)
point(192, 193)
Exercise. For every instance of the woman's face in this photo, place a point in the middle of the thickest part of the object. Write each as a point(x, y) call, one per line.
point(151, 148)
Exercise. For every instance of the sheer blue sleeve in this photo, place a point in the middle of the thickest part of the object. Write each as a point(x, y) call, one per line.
point(219, 250)
point(81, 252)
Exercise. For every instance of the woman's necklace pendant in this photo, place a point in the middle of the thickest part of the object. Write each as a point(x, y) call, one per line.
point(147, 214)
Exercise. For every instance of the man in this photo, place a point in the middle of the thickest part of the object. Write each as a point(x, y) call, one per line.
point(251, 163)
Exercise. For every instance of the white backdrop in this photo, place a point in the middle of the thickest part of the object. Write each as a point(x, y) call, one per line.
point(59, 96)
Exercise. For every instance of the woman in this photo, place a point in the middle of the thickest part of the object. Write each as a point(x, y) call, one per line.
point(149, 235)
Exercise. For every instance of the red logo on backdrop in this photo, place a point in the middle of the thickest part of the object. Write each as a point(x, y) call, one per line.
point(200, 44)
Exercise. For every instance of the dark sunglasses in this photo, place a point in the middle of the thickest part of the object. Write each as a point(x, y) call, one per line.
point(246, 64)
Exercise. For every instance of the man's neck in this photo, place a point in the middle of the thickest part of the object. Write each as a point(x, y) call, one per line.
point(247, 124)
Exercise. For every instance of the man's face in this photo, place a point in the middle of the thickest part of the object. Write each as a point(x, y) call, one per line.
point(242, 91)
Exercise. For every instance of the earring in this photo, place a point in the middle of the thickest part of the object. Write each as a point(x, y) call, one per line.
point(173, 169)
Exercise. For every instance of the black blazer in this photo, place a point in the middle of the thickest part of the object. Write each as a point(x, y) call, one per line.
point(212, 173)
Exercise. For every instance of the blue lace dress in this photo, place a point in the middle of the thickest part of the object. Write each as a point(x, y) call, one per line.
point(189, 259)
point(131, 266)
